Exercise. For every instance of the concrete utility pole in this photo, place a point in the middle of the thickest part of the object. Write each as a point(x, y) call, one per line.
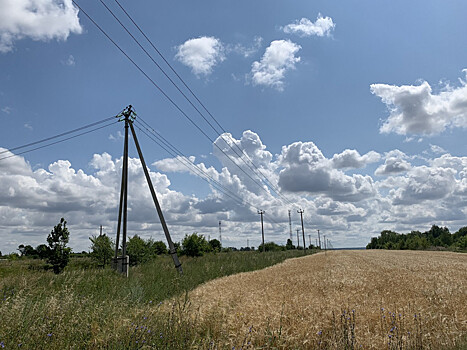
point(319, 240)
point(248, 243)
point(301, 211)
point(121, 264)
point(309, 239)
point(290, 225)
point(100, 232)
point(324, 244)
point(220, 234)
point(261, 212)
point(298, 238)
point(316, 239)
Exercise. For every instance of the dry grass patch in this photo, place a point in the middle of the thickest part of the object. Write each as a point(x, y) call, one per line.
point(377, 299)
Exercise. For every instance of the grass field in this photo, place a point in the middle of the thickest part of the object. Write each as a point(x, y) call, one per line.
point(341, 300)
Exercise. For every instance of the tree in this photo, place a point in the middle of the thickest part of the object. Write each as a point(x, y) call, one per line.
point(42, 251)
point(102, 249)
point(59, 254)
point(21, 249)
point(194, 245)
point(215, 245)
point(289, 245)
point(137, 250)
point(157, 247)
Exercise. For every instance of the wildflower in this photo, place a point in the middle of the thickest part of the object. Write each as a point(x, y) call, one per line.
point(2, 344)
point(49, 334)
point(145, 318)
point(320, 332)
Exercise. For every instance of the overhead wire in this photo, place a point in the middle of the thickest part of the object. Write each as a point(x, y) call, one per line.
point(167, 96)
point(268, 181)
point(57, 136)
point(59, 141)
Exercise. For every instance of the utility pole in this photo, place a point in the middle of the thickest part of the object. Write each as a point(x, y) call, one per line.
point(100, 232)
point(290, 225)
point(319, 240)
point(220, 233)
point(324, 244)
point(129, 116)
point(261, 212)
point(248, 243)
point(298, 238)
point(309, 239)
point(301, 211)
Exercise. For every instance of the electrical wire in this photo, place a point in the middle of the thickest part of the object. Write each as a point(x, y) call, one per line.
point(57, 136)
point(268, 181)
point(59, 141)
point(271, 185)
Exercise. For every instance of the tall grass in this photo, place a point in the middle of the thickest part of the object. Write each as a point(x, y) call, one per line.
point(97, 308)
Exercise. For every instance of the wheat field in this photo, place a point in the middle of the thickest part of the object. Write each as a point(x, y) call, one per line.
point(369, 299)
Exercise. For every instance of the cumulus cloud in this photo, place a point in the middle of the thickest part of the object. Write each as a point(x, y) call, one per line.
point(201, 54)
point(323, 26)
point(305, 169)
point(351, 159)
point(37, 20)
point(278, 58)
point(415, 109)
point(395, 162)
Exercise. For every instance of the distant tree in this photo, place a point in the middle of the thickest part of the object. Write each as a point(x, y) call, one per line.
point(194, 245)
point(289, 245)
point(0, 253)
point(215, 245)
point(270, 247)
point(29, 251)
point(42, 251)
point(139, 250)
point(59, 254)
point(157, 247)
point(101, 249)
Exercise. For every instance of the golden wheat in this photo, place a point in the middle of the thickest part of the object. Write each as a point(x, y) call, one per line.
point(399, 299)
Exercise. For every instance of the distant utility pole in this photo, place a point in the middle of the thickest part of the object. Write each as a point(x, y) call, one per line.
point(324, 244)
point(100, 234)
point(301, 211)
point(319, 240)
point(248, 243)
point(290, 225)
point(220, 233)
point(298, 238)
point(261, 212)
point(309, 239)
point(316, 239)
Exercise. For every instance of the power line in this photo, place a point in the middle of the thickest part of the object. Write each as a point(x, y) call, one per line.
point(274, 188)
point(57, 136)
point(167, 96)
point(59, 141)
point(268, 182)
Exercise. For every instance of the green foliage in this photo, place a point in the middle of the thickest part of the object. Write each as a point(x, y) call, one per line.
point(215, 245)
point(102, 249)
point(157, 247)
point(138, 250)
point(194, 245)
point(59, 253)
point(289, 245)
point(271, 247)
point(436, 238)
point(42, 251)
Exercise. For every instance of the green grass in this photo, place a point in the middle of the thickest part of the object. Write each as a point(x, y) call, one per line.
point(87, 307)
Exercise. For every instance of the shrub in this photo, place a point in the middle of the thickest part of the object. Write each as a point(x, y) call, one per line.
point(59, 253)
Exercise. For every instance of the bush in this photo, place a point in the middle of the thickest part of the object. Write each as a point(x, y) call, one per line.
point(194, 245)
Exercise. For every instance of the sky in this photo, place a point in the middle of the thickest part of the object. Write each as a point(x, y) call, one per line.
point(353, 111)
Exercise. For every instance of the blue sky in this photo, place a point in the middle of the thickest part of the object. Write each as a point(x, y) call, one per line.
point(357, 112)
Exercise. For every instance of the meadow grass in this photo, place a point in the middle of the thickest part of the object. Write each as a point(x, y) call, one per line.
point(88, 307)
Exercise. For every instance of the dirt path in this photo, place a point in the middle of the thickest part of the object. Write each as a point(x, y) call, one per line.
point(385, 290)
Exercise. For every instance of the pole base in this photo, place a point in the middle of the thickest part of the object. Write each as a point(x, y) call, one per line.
point(120, 264)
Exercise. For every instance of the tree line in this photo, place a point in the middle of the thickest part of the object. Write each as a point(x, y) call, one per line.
point(435, 238)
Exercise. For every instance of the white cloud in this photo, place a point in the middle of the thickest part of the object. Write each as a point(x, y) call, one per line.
point(437, 149)
point(37, 20)
point(278, 58)
point(6, 110)
point(201, 54)
point(70, 61)
point(351, 159)
point(304, 27)
point(416, 110)
point(395, 163)
point(306, 170)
